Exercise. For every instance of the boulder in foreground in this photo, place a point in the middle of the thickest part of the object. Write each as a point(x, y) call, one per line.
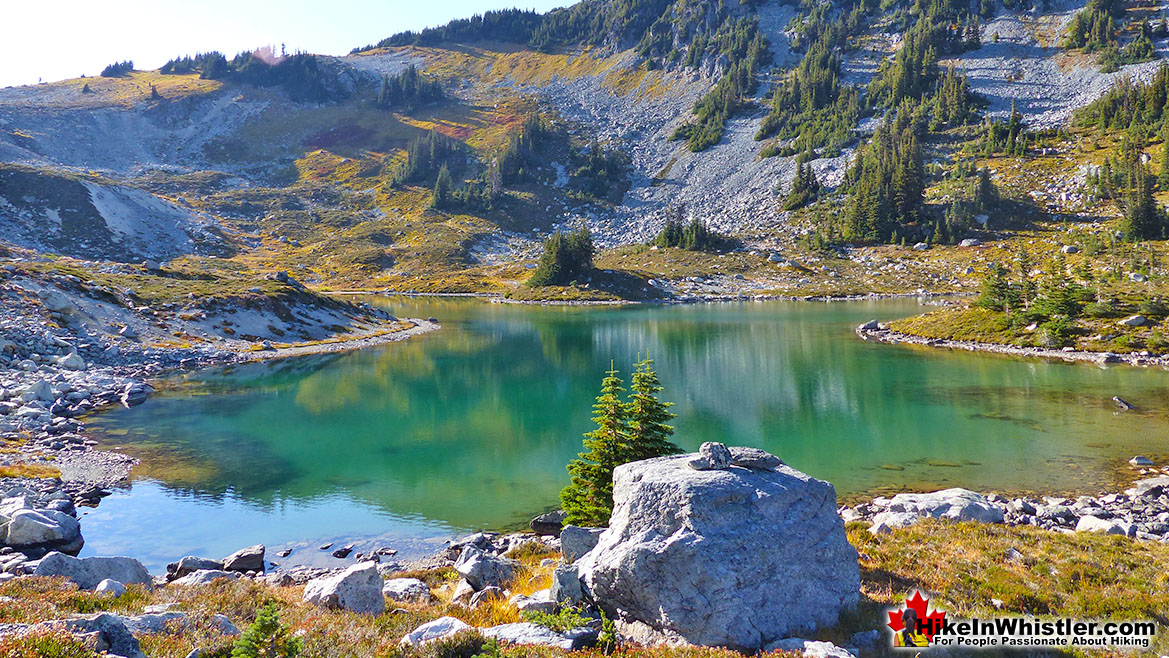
point(358, 589)
point(733, 556)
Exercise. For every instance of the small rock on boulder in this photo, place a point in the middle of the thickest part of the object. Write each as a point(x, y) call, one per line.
point(711, 456)
point(358, 589)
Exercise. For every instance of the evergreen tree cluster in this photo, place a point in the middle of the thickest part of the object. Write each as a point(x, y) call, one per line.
point(694, 235)
point(912, 74)
point(628, 430)
point(566, 258)
point(521, 156)
point(600, 172)
point(1093, 27)
point(210, 66)
point(301, 75)
point(118, 69)
point(507, 25)
point(812, 108)
point(747, 51)
point(886, 184)
point(1130, 105)
point(472, 195)
point(427, 154)
point(1008, 137)
point(408, 90)
point(1053, 303)
point(805, 187)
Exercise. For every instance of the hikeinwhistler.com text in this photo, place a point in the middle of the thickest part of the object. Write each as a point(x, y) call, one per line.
point(1028, 632)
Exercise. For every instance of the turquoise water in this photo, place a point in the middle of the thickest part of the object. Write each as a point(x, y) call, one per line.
point(471, 426)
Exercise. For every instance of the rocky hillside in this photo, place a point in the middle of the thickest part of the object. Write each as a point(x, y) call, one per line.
point(617, 114)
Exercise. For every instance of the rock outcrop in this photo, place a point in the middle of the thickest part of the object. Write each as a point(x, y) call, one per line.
point(731, 556)
point(406, 590)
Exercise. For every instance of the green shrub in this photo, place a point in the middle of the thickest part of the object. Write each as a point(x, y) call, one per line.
point(1056, 332)
point(1106, 308)
point(44, 645)
point(267, 637)
point(1153, 306)
point(564, 620)
point(464, 644)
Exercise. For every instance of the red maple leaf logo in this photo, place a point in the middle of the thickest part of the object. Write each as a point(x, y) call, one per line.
point(931, 622)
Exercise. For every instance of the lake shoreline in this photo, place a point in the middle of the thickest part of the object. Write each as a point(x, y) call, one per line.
point(882, 334)
point(499, 298)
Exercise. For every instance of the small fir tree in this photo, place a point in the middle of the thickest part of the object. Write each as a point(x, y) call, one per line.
point(588, 499)
point(267, 637)
point(649, 435)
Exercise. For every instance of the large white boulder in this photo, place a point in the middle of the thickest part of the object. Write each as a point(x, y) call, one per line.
point(953, 504)
point(1104, 526)
point(201, 577)
point(44, 527)
point(358, 589)
point(732, 556)
point(89, 572)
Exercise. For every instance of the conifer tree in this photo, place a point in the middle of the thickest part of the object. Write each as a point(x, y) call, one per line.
point(1163, 174)
point(267, 637)
point(649, 435)
point(588, 499)
point(442, 188)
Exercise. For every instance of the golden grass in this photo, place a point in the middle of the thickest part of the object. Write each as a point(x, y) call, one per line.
point(25, 470)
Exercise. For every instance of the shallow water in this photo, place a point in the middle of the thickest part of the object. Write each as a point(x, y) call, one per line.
point(471, 426)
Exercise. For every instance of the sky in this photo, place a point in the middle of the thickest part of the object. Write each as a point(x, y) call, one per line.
point(58, 39)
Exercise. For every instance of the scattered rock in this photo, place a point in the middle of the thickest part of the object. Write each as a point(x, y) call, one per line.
point(810, 648)
point(540, 601)
point(245, 560)
point(485, 595)
point(1141, 460)
point(566, 587)
point(754, 458)
point(482, 569)
point(1134, 321)
point(204, 577)
point(89, 572)
point(576, 541)
point(525, 633)
point(548, 524)
point(358, 589)
point(434, 630)
point(1104, 526)
point(191, 564)
point(406, 590)
point(110, 588)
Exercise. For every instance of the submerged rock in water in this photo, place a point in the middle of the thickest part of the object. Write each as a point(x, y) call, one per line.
point(731, 556)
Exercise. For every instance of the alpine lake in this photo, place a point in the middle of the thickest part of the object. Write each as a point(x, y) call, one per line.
point(470, 427)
